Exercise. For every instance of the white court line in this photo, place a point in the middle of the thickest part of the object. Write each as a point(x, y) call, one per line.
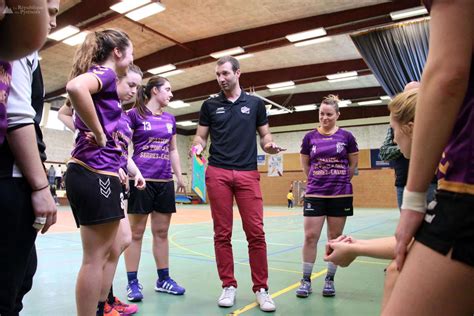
point(245, 241)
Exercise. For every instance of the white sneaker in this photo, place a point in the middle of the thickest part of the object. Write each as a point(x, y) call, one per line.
point(265, 301)
point(227, 298)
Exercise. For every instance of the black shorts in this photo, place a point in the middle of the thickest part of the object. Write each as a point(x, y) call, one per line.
point(157, 196)
point(94, 198)
point(337, 207)
point(450, 225)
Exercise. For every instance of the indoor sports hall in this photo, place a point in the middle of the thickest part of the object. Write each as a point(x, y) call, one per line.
point(314, 78)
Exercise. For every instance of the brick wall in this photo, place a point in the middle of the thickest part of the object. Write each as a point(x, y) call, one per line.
point(372, 188)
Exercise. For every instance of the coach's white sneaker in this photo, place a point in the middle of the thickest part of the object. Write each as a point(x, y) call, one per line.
point(265, 301)
point(227, 298)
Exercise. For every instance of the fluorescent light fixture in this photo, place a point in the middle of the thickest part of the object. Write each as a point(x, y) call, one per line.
point(342, 79)
point(306, 34)
point(408, 13)
point(243, 56)
point(64, 95)
point(385, 97)
point(76, 39)
point(340, 75)
point(280, 84)
point(61, 34)
point(313, 41)
point(228, 52)
point(276, 112)
point(307, 107)
point(371, 102)
point(146, 11)
point(178, 104)
point(282, 88)
point(128, 5)
point(161, 69)
point(344, 103)
point(172, 73)
point(186, 123)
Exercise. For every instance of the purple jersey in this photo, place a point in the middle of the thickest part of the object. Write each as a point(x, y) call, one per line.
point(109, 110)
point(124, 135)
point(456, 168)
point(151, 144)
point(5, 81)
point(329, 164)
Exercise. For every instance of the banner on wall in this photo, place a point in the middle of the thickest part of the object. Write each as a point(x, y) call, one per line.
point(198, 183)
point(375, 161)
point(261, 160)
point(275, 165)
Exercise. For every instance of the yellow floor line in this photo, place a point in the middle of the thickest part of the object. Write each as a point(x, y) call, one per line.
point(274, 295)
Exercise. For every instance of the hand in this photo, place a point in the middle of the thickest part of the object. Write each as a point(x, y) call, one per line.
point(44, 206)
point(122, 176)
point(341, 253)
point(99, 140)
point(195, 149)
point(181, 186)
point(342, 238)
point(409, 223)
point(272, 148)
point(140, 182)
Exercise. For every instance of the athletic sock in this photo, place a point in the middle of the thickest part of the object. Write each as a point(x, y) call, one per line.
point(111, 298)
point(307, 271)
point(331, 271)
point(132, 275)
point(100, 309)
point(163, 274)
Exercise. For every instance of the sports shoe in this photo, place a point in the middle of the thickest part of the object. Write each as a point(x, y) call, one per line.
point(134, 291)
point(329, 289)
point(110, 311)
point(305, 289)
point(169, 286)
point(265, 301)
point(227, 298)
point(124, 309)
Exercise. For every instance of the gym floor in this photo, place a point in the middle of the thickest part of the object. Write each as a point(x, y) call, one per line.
point(192, 264)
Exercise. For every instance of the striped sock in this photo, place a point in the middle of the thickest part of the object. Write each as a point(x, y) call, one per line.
point(331, 271)
point(307, 270)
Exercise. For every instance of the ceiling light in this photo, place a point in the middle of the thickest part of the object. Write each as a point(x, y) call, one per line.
point(306, 34)
point(276, 112)
point(228, 52)
point(282, 88)
point(64, 95)
point(243, 56)
point(178, 104)
point(340, 75)
point(408, 13)
point(146, 11)
point(344, 103)
point(313, 41)
point(385, 97)
point(186, 123)
point(61, 34)
point(307, 107)
point(172, 73)
point(40, 58)
point(342, 79)
point(161, 69)
point(280, 84)
point(76, 39)
point(371, 102)
point(128, 5)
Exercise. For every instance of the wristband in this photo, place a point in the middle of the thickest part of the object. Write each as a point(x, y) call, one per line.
point(414, 201)
point(41, 188)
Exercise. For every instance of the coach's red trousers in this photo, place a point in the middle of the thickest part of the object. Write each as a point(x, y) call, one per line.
point(222, 186)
